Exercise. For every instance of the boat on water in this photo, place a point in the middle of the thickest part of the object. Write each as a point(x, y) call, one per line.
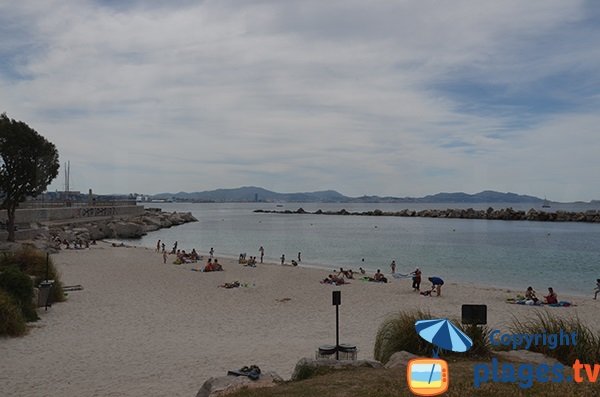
point(546, 203)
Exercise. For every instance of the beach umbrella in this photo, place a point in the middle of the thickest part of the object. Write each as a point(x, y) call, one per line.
point(445, 335)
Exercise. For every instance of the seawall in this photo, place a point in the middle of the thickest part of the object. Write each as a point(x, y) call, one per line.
point(505, 214)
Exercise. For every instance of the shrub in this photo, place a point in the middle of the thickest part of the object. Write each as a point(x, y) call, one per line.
point(307, 371)
point(586, 350)
point(20, 287)
point(33, 262)
point(12, 322)
point(480, 335)
point(398, 333)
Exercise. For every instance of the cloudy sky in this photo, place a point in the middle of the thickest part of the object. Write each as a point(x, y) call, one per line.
point(364, 97)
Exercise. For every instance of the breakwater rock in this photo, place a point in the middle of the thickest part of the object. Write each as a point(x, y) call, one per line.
point(505, 214)
point(125, 227)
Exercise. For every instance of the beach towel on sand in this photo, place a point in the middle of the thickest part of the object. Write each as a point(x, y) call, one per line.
point(538, 303)
point(399, 276)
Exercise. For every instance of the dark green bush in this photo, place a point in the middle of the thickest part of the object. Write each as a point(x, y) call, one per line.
point(398, 333)
point(33, 262)
point(480, 335)
point(20, 287)
point(12, 322)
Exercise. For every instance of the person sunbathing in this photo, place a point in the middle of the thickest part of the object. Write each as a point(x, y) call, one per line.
point(217, 266)
point(235, 284)
point(209, 266)
point(333, 279)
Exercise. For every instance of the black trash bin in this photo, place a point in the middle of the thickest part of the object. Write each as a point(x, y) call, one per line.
point(347, 351)
point(45, 296)
point(326, 351)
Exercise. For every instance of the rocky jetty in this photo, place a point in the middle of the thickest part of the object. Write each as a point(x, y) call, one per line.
point(505, 214)
point(123, 227)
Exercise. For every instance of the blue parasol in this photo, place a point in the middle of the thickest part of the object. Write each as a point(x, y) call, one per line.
point(445, 335)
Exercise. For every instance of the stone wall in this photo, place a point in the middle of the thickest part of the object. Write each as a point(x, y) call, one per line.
point(27, 216)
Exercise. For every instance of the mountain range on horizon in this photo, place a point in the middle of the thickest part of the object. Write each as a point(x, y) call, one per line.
point(258, 194)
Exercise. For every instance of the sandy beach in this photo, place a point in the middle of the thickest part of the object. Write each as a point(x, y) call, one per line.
point(143, 328)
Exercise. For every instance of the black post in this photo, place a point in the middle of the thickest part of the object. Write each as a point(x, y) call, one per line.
point(337, 332)
point(47, 271)
point(337, 300)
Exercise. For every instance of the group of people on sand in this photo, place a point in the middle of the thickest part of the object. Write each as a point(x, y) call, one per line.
point(532, 299)
point(436, 282)
point(213, 266)
point(77, 243)
point(247, 262)
point(185, 257)
point(293, 261)
point(334, 280)
point(181, 256)
point(343, 274)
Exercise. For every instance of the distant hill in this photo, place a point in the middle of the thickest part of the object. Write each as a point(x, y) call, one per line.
point(487, 196)
point(258, 194)
point(252, 193)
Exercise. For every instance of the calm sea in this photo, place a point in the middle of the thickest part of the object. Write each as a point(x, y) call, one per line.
point(515, 254)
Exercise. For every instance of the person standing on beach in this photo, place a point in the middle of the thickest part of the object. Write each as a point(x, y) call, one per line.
point(158, 246)
point(393, 267)
point(164, 256)
point(597, 289)
point(282, 259)
point(174, 248)
point(163, 247)
point(299, 259)
point(416, 280)
point(211, 252)
point(262, 253)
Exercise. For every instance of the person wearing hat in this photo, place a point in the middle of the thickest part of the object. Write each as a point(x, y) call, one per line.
point(416, 279)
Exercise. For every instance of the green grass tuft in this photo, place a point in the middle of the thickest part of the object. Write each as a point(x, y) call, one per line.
point(398, 333)
point(33, 262)
point(20, 288)
point(12, 322)
point(587, 348)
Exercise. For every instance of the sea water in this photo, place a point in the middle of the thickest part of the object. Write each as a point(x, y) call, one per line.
point(511, 254)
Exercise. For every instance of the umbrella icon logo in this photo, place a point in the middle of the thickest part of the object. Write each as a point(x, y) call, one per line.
point(445, 335)
point(430, 376)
